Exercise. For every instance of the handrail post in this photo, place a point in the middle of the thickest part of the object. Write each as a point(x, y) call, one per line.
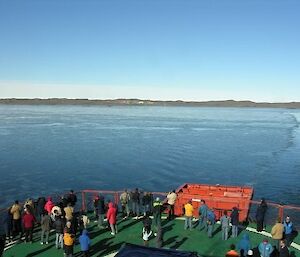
point(280, 212)
point(116, 195)
point(83, 201)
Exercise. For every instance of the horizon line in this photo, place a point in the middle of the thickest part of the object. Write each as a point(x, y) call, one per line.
point(146, 100)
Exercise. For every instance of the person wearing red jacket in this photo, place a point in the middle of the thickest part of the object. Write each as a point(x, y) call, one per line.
point(28, 223)
point(49, 205)
point(112, 218)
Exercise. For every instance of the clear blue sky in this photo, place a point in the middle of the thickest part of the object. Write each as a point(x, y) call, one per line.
point(159, 49)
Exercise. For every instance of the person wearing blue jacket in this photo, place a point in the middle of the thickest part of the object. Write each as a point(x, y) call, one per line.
point(85, 243)
point(288, 231)
point(203, 215)
point(211, 220)
point(244, 245)
point(265, 248)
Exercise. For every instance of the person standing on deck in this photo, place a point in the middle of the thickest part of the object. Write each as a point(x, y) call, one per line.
point(69, 212)
point(203, 215)
point(265, 248)
point(235, 222)
point(68, 242)
point(102, 211)
point(225, 222)
point(157, 210)
point(288, 231)
point(28, 224)
point(136, 203)
point(112, 218)
point(124, 199)
point(45, 226)
point(17, 221)
point(59, 225)
point(171, 199)
point(7, 224)
point(72, 198)
point(211, 220)
point(49, 205)
point(188, 213)
point(40, 208)
point(96, 208)
point(260, 214)
point(277, 232)
point(85, 243)
point(283, 249)
point(244, 245)
point(146, 200)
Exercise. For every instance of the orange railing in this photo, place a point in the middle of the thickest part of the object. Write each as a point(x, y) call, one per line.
point(275, 210)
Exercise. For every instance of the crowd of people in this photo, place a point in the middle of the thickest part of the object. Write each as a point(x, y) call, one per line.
point(21, 220)
point(282, 232)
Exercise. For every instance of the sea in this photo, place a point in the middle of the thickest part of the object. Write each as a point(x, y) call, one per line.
point(51, 149)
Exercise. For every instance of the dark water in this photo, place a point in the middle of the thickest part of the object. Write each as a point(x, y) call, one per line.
point(47, 149)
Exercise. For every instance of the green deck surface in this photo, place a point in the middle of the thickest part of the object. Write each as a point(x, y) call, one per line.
point(130, 231)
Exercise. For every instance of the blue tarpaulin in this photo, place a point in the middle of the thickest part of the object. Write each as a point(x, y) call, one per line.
point(131, 250)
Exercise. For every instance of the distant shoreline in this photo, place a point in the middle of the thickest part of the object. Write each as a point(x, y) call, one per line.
point(140, 102)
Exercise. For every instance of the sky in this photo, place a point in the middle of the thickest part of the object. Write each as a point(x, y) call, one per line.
point(157, 49)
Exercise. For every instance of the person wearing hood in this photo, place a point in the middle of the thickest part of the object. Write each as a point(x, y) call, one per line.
point(235, 221)
point(85, 243)
point(49, 205)
point(112, 218)
point(244, 245)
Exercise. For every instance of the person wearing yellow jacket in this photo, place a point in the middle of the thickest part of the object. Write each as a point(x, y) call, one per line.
point(188, 213)
point(277, 232)
point(68, 243)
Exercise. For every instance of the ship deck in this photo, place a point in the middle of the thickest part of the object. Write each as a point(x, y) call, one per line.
point(175, 237)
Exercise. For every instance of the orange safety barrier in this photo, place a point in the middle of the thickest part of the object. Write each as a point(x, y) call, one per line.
point(218, 197)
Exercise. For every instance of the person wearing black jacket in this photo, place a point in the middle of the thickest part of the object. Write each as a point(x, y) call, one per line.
point(283, 249)
point(101, 211)
point(235, 221)
point(146, 201)
point(72, 198)
point(136, 202)
point(40, 204)
point(59, 225)
point(260, 214)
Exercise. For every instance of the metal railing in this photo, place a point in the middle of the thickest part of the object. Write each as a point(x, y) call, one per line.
point(85, 199)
